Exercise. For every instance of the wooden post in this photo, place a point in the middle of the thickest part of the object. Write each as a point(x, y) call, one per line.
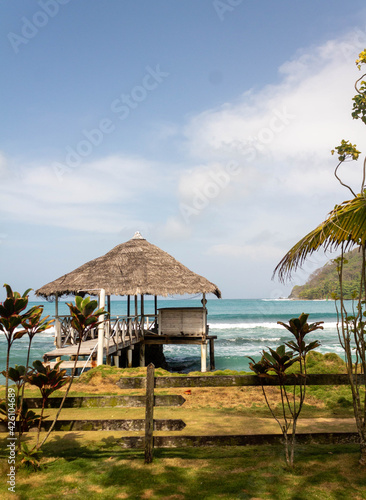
point(142, 353)
point(136, 315)
point(149, 415)
point(58, 340)
point(109, 316)
point(204, 357)
point(204, 326)
point(128, 305)
point(129, 357)
point(101, 329)
point(142, 315)
point(107, 327)
point(212, 355)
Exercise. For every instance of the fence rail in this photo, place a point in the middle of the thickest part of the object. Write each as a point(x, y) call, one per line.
point(235, 381)
point(151, 382)
point(106, 401)
point(150, 400)
point(323, 438)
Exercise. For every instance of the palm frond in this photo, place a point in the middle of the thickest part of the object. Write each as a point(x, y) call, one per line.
point(345, 224)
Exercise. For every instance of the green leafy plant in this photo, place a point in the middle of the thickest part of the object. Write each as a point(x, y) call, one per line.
point(276, 363)
point(3, 412)
point(33, 323)
point(84, 317)
point(11, 322)
point(344, 228)
point(15, 322)
point(17, 375)
point(352, 337)
point(25, 417)
point(48, 380)
point(30, 457)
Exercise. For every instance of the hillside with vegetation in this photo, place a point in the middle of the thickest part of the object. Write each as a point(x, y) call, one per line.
point(324, 283)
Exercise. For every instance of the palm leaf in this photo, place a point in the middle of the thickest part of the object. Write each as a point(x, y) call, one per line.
point(346, 224)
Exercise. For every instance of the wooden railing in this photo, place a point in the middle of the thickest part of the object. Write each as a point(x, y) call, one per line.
point(119, 328)
point(65, 334)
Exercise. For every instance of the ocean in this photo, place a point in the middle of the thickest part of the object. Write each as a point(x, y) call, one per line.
point(244, 327)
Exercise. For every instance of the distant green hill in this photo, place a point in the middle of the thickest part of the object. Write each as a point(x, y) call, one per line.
point(324, 281)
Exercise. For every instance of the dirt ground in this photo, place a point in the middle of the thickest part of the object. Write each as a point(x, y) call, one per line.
point(196, 397)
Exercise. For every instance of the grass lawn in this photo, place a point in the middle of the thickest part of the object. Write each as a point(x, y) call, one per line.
point(93, 465)
point(76, 468)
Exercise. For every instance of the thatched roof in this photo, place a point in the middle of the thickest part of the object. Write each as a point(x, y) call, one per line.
point(132, 268)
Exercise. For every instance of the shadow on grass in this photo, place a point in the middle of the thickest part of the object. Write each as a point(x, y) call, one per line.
point(238, 473)
point(103, 470)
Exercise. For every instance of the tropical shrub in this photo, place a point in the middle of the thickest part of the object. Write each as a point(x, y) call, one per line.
point(345, 228)
point(276, 363)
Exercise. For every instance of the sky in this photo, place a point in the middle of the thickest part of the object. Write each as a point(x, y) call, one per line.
point(206, 125)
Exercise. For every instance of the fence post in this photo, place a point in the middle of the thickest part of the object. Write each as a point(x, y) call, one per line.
point(149, 415)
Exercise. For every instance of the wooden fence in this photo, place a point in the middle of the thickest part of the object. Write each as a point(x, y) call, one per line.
point(150, 400)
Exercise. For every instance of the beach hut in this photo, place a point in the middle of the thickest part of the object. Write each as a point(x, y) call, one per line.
point(138, 268)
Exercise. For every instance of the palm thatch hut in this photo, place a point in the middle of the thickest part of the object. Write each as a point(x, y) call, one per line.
point(136, 267)
point(133, 268)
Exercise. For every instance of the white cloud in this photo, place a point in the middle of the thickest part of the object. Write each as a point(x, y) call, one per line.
point(108, 180)
point(301, 118)
point(175, 229)
point(3, 165)
point(99, 196)
point(210, 181)
point(281, 137)
point(253, 252)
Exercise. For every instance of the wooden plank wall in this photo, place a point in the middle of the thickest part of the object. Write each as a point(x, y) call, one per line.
point(182, 321)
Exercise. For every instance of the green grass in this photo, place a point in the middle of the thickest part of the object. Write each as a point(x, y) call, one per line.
point(337, 399)
point(102, 470)
point(92, 465)
point(325, 363)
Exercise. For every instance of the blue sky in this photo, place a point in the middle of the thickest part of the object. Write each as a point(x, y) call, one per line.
point(205, 125)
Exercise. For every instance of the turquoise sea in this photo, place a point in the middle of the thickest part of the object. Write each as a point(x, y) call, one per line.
point(243, 327)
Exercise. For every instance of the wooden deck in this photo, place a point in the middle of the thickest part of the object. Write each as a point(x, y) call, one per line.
point(176, 326)
point(86, 349)
point(177, 339)
point(88, 346)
